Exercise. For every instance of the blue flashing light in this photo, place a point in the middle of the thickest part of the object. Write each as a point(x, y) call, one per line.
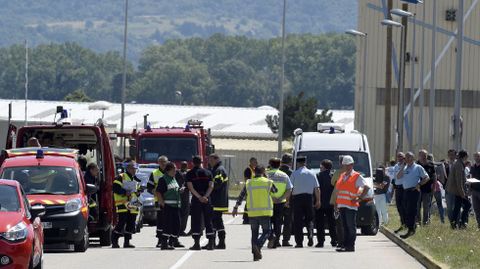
point(64, 114)
point(40, 154)
point(187, 128)
point(332, 130)
point(149, 128)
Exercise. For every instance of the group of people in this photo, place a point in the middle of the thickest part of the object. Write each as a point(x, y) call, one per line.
point(417, 182)
point(172, 188)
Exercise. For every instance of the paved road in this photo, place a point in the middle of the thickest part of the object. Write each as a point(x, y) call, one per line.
point(372, 252)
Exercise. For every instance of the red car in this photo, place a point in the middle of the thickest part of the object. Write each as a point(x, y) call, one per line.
point(21, 232)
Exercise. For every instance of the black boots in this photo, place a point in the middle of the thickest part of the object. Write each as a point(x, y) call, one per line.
point(126, 243)
point(221, 240)
point(196, 246)
point(115, 238)
point(165, 245)
point(257, 253)
point(159, 243)
point(175, 243)
point(408, 234)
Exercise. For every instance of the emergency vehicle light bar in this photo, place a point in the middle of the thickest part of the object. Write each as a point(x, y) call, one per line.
point(41, 152)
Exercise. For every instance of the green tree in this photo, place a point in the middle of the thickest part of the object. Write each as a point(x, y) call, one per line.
point(299, 112)
point(77, 96)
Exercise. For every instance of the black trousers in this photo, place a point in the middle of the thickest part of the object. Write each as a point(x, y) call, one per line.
point(324, 217)
point(302, 215)
point(277, 220)
point(287, 223)
point(411, 197)
point(349, 220)
point(464, 205)
point(201, 211)
point(171, 224)
point(400, 203)
point(218, 226)
point(126, 224)
point(184, 211)
point(340, 231)
point(159, 223)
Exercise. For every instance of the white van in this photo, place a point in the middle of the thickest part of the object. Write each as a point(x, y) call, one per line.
point(330, 142)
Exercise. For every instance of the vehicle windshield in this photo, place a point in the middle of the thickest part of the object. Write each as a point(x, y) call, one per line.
point(9, 199)
point(314, 158)
point(44, 179)
point(175, 148)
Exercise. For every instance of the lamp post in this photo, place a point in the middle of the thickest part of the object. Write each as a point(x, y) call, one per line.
point(124, 81)
point(400, 104)
point(364, 76)
point(421, 88)
point(431, 104)
point(457, 134)
point(282, 83)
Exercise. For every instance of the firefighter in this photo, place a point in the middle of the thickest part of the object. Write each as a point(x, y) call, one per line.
point(151, 187)
point(219, 198)
point(125, 193)
point(168, 196)
point(185, 197)
point(280, 200)
point(249, 173)
point(200, 185)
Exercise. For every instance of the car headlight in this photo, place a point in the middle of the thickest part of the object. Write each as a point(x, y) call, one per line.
point(73, 205)
point(16, 233)
point(149, 202)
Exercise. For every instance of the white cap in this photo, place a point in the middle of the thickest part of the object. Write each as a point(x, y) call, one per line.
point(347, 160)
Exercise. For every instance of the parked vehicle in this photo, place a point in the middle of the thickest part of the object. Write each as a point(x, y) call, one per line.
point(330, 142)
point(52, 178)
point(93, 143)
point(148, 213)
point(21, 233)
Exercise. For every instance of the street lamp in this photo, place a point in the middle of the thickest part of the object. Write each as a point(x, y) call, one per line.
point(282, 83)
point(390, 23)
point(124, 81)
point(364, 75)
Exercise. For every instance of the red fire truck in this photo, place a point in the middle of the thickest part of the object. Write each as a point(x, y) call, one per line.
point(177, 143)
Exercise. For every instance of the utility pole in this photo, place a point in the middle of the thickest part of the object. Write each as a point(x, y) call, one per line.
point(457, 134)
point(401, 90)
point(282, 83)
point(412, 87)
point(421, 101)
point(124, 82)
point(26, 82)
point(431, 104)
point(388, 89)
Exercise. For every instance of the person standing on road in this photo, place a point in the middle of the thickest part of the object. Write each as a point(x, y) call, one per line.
point(324, 216)
point(333, 199)
point(185, 197)
point(258, 192)
point(475, 187)
point(438, 186)
point(168, 196)
point(285, 167)
point(151, 188)
point(381, 184)
point(413, 178)
point(450, 197)
point(352, 188)
point(249, 173)
point(426, 191)
point(399, 192)
point(305, 184)
point(127, 215)
point(280, 200)
point(456, 186)
point(200, 184)
point(219, 198)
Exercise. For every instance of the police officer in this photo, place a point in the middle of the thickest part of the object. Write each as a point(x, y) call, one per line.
point(151, 187)
point(280, 198)
point(219, 198)
point(200, 185)
point(258, 192)
point(123, 194)
point(304, 185)
point(168, 195)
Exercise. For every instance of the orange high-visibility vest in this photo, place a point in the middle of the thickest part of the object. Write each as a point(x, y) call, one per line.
point(347, 191)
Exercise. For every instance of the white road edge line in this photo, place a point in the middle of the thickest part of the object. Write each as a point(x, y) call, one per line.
point(187, 255)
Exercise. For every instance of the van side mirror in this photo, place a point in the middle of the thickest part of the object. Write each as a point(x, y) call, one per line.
point(210, 149)
point(37, 211)
point(91, 189)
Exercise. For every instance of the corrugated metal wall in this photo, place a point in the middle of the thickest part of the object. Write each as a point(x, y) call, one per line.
point(236, 161)
point(371, 12)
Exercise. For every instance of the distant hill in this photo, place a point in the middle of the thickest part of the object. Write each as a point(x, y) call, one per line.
point(99, 24)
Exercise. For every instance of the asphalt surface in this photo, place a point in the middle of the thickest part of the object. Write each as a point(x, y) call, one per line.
point(372, 252)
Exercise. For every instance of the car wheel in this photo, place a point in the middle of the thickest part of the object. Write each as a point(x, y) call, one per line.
point(372, 229)
point(82, 246)
point(106, 237)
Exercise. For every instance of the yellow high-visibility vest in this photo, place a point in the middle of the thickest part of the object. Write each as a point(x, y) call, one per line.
point(280, 185)
point(157, 174)
point(259, 200)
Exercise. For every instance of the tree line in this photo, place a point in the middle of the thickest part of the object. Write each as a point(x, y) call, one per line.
point(220, 70)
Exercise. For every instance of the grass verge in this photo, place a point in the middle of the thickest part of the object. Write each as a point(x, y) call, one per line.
point(454, 248)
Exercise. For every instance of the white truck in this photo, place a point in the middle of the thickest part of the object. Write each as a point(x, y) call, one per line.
point(330, 142)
